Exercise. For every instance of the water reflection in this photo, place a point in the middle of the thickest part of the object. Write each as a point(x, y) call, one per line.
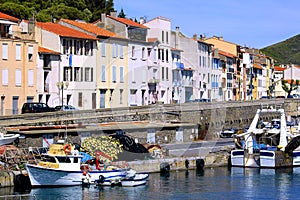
point(210, 183)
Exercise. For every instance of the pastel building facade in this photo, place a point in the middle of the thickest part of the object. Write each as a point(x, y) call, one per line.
point(17, 67)
point(71, 79)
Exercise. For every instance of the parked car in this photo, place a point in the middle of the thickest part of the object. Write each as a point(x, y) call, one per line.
point(35, 107)
point(65, 108)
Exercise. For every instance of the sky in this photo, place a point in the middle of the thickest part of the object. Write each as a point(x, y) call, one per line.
point(252, 23)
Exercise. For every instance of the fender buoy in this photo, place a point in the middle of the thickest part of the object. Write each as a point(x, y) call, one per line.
point(67, 148)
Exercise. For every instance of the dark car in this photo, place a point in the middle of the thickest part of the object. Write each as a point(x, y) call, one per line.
point(36, 107)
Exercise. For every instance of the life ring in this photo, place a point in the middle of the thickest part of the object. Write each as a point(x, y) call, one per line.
point(67, 148)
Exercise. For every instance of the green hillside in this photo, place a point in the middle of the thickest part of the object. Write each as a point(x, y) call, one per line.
point(285, 52)
point(47, 10)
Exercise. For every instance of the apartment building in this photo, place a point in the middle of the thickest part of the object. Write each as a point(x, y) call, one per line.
point(17, 67)
point(71, 79)
point(235, 69)
point(111, 67)
point(159, 71)
point(184, 63)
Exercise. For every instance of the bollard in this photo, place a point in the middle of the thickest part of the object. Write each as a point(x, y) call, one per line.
point(199, 164)
point(164, 168)
point(187, 163)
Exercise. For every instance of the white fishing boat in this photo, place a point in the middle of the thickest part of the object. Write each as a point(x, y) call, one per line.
point(8, 138)
point(61, 166)
point(266, 146)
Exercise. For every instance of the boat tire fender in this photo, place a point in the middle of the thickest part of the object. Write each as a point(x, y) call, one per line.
point(67, 148)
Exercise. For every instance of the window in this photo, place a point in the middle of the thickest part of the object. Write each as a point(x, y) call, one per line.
point(132, 51)
point(103, 74)
point(163, 55)
point(121, 51)
point(121, 96)
point(114, 74)
point(155, 55)
point(81, 47)
point(162, 73)
point(88, 74)
point(87, 48)
point(18, 77)
point(143, 53)
point(67, 76)
point(91, 48)
point(167, 73)
point(114, 50)
point(103, 50)
point(162, 36)
point(167, 37)
point(18, 51)
point(30, 77)
point(30, 53)
point(76, 73)
point(122, 74)
point(167, 55)
point(159, 54)
point(4, 51)
point(80, 99)
point(4, 77)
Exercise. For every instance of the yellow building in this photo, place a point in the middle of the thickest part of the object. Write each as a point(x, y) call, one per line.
point(17, 67)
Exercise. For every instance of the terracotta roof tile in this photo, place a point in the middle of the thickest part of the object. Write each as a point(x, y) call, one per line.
point(175, 49)
point(90, 28)
point(257, 66)
point(47, 51)
point(277, 68)
point(152, 39)
point(8, 17)
point(226, 54)
point(64, 31)
point(128, 22)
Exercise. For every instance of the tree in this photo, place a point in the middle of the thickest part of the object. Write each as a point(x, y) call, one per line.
point(122, 14)
point(289, 87)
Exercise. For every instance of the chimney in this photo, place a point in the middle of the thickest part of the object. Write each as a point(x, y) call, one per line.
point(176, 36)
point(113, 14)
point(103, 17)
point(142, 20)
point(195, 37)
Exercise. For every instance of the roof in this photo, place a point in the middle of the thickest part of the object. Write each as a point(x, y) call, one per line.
point(8, 17)
point(64, 31)
point(226, 54)
point(277, 68)
point(152, 39)
point(175, 49)
point(90, 28)
point(257, 66)
point(128, 22)
point(47, 51)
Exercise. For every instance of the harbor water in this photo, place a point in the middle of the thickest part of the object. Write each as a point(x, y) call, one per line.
point(211, 183)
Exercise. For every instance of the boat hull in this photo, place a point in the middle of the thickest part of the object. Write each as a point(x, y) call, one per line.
point(42, 176)
point(136, 180)
point(8, 139)
point(264, 159)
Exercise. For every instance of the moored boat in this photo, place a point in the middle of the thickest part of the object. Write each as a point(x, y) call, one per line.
point(61, 166)
point(266, 146)
point(8, 138)
point(133, 180)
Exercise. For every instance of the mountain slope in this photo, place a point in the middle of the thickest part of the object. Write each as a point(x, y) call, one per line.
point(285, 52)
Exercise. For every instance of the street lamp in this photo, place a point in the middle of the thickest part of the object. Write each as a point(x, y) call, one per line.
point(62, 86)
